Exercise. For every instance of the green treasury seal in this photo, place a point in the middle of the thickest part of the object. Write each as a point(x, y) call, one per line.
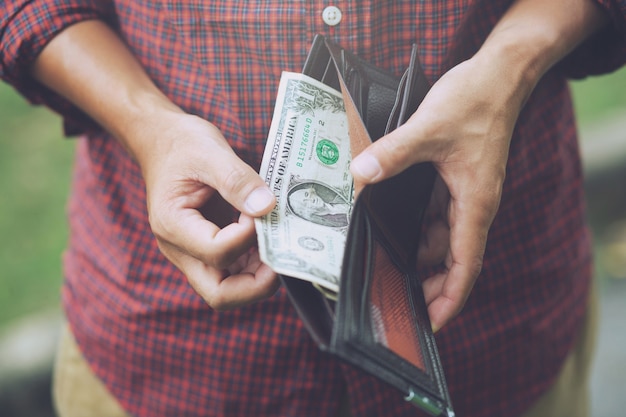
point(327, 152)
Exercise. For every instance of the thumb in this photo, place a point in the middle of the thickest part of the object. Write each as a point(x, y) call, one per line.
point(388, 156)
point(239, 184)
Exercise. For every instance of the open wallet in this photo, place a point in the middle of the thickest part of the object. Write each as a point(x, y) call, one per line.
point(378, 322)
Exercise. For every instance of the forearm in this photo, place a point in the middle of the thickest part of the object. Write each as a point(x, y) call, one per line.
point(185, 162)
point(88, 64)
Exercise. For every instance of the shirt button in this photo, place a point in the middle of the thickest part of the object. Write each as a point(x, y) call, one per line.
point(331, 15)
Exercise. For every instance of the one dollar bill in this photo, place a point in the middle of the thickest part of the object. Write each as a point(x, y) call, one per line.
point(306, 164)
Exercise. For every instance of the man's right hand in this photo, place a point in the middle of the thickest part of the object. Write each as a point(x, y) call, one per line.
point(184, 159)
point(188, 163)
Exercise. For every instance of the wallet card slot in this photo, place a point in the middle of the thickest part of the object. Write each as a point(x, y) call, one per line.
point(355, 85)
point(330, 77)
point(355, 330)
point(394, 117)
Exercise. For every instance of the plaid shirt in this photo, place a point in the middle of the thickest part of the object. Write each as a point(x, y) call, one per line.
point(158, 347)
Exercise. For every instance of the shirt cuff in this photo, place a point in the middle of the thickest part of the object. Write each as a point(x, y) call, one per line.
point(605, 51)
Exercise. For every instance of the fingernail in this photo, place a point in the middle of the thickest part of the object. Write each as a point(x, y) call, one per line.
point(367, 167)
point(259, 200)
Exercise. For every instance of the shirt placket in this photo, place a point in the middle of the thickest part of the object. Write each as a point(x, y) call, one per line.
point(347, 22)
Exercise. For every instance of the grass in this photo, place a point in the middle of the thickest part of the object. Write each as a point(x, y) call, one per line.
point(35, 165)
point(597, 97)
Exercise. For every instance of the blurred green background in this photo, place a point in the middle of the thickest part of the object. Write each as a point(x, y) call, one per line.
point(35, 169)
point(35, 165)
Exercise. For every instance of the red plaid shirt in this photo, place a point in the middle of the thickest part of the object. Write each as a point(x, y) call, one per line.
point(156, 344)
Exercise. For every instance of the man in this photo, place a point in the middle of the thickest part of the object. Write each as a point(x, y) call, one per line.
point(306, 203)
point(181, 94)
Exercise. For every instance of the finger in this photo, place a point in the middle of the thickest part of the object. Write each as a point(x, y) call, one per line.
point(447, 292)
point(223, 290)
point(446, 295)
point(193, 235)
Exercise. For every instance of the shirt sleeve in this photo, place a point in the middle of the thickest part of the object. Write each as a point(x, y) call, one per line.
point(603, 52)
point(26, 26)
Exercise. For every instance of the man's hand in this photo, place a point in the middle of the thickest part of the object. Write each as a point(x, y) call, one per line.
point(464, 127)
point(185, 162)
point(184, 169)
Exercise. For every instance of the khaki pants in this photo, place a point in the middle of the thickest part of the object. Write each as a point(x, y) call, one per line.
point(569, 396)
point(77, 392)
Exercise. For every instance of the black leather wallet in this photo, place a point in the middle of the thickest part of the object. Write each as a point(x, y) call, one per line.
point(379, 321)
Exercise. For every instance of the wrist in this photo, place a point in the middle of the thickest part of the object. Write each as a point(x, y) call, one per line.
point(515, 66)
point(142, 119)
